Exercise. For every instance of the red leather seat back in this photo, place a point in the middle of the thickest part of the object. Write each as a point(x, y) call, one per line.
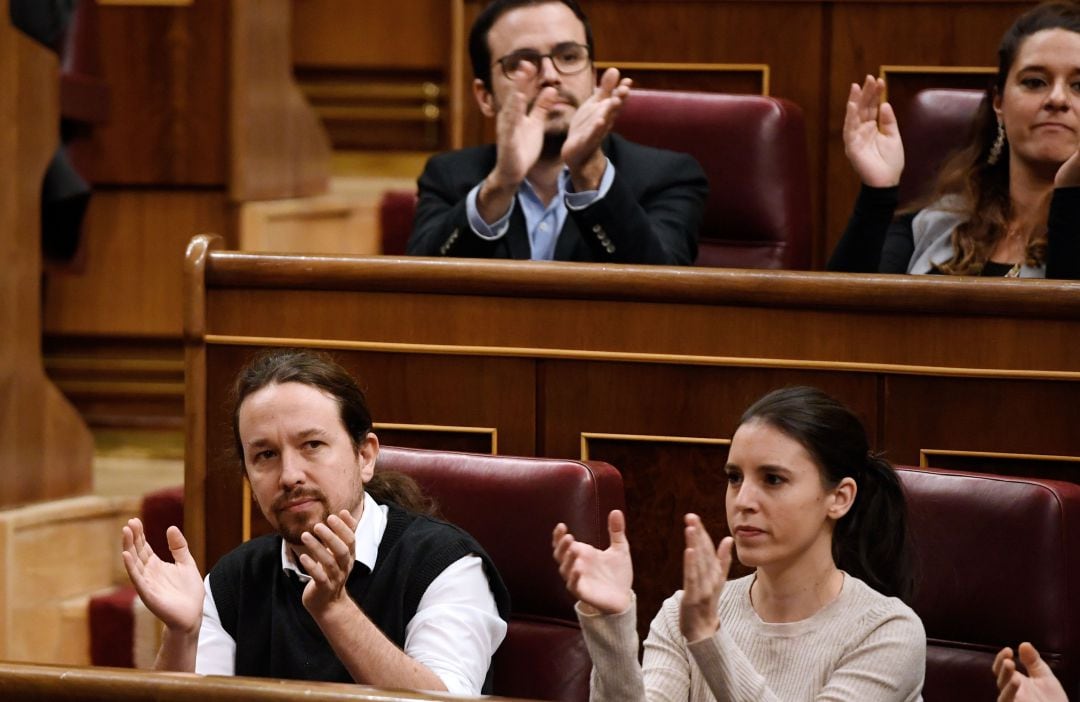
point(935, 124)
point(396, 211)
point(753, 150)
point(510, 505)
point(543, 658)
point(162, 509)
point(999, 563)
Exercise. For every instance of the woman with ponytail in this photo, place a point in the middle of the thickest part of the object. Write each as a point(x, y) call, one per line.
point(823, 522)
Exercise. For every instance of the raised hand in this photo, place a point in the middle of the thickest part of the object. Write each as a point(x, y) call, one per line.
point(705, 572)
point(172, 591)
point(519, 128)
point(519, 137)
point(1039, 685)
point(331, 552)
point(601, 580)
point(871, 136)
point(589, 125)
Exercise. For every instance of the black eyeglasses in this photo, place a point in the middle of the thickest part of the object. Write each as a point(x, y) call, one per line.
point(568, 58)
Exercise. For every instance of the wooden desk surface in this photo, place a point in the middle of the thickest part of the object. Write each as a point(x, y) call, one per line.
point(24, 682)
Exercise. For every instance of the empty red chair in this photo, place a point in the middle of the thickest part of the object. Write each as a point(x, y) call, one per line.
point(510, 505)
point(753, 151)
point(998, 563)
point(935, 124)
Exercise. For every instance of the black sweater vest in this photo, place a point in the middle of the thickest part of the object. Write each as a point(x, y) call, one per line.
point(261, 608)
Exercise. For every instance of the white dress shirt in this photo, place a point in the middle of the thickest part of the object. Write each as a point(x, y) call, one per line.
point(454, 632)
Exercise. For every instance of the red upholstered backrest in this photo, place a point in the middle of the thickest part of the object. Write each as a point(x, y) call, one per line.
point(753, 150)
point(510, 505)
point(935, 124)
point(999, 563)
point(396, 210)
point(162, 509)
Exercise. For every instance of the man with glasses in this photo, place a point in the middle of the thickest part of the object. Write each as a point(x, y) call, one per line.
point(557, 184)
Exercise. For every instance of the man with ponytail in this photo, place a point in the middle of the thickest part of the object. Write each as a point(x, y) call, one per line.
point(824, 523)
point(359, 583)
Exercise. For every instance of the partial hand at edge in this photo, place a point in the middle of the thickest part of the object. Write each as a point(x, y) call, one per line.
point(1039, 685)
point(871, 135)
point(1068, 175)
point(600, 580)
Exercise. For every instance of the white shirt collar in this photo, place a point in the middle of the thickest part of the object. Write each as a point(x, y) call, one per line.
point(369, 533)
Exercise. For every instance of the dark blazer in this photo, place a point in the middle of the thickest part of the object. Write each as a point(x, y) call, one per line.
point(650, 215)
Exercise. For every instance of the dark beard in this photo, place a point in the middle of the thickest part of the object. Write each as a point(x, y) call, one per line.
point(553, 143)
point(292, 526)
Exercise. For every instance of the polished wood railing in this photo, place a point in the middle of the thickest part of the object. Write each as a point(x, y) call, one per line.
point(23, 682)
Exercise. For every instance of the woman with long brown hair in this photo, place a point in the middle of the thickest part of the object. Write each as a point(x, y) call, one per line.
point(1009, 203)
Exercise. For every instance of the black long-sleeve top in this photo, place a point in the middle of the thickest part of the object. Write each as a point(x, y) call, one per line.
point(876, 242)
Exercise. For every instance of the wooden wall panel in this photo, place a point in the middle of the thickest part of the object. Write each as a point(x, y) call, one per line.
point(205, 117)
point(673, 400)
point(45, 447)
point(747, 78)
point(165, 68)
point(276, 145)
point(410, 35)
point(981, 415)
point(132, 282)
point(375, 73)
point(440, 436)
point(647, 367)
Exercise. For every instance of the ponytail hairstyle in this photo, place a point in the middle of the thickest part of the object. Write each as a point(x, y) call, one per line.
point(320, 371)
point(871, 541)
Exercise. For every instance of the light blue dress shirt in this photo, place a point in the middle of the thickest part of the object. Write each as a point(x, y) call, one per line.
point(543, 224)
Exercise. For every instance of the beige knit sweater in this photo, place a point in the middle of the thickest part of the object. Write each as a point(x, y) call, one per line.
point(861, 647)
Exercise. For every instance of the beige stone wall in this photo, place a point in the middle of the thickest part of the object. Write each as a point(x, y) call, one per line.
point(54, 556)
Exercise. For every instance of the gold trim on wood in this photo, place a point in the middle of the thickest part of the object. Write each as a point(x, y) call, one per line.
point(445, 428)
point(365, 90)
point(119, 365)
point(119, 388)
point(885, 70)
point(587, 435)
point(763, 68)
point(640, 357)
point(416, 113)
point(900, 68)
point(924, 453)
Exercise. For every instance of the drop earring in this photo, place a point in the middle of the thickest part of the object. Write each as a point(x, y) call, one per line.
point(999, 145)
